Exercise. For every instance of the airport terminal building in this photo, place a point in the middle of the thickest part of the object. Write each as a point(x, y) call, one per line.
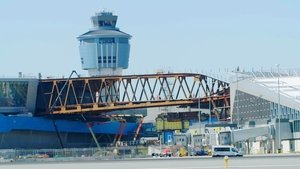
point(255, 97)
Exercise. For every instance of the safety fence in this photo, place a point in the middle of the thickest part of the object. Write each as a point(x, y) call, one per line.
point(12, 155)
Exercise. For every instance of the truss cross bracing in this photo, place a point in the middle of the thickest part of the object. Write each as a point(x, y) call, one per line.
point(103, 94)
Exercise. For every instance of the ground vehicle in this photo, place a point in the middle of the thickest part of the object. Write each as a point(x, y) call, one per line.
point(165, 153)
point(199, 152)
point(224, 150)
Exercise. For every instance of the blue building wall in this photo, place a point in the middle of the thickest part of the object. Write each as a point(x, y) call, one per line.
point(25, 123)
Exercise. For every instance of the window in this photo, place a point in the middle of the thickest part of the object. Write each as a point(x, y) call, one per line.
point(222, 149)
point(106, 40)
point(234, 150)
point(169, 138)
point(13, 93)
point(114, 59)
point(107, 23)
point(109, 59)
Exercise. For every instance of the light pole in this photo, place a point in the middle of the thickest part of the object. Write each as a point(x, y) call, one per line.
point(237, 98)
point(199, 114)
point(209, 108)
point(279, 110)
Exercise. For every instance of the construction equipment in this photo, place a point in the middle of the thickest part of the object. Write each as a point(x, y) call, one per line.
point(138, 129)
point(120, 132)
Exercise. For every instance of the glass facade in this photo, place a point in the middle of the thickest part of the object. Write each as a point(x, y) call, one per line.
point(296, 127)
point(13, 93)
point(250, 108)
point(286, 112)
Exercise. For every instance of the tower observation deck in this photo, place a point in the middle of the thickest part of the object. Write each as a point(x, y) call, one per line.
point(104, 50)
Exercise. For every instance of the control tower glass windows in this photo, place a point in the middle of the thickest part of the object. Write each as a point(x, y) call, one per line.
point(114, 59)
point(108, 59)
point(107, 23)
point(106, 40)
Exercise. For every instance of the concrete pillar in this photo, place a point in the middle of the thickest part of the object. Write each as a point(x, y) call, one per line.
point(297, 145)
point(286, 146)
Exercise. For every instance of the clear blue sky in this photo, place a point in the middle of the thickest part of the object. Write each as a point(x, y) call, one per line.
point(182, 36)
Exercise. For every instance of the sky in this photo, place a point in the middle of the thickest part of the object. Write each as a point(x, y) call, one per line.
point(177, 36)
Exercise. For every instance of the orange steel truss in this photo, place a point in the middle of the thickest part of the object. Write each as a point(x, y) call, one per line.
point(103, 94)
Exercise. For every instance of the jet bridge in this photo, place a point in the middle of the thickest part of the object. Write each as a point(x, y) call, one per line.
point(271, 131)
point(234, 136)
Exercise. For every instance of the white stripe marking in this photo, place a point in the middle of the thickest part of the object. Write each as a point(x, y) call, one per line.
point(230, 166)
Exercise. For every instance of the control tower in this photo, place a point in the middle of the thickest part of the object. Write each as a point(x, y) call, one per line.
point(104, 50)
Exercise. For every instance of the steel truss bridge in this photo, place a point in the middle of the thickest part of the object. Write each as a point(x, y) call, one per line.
point(103, 94)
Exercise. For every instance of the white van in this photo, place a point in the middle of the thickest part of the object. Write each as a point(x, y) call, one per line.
point(221, 151)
